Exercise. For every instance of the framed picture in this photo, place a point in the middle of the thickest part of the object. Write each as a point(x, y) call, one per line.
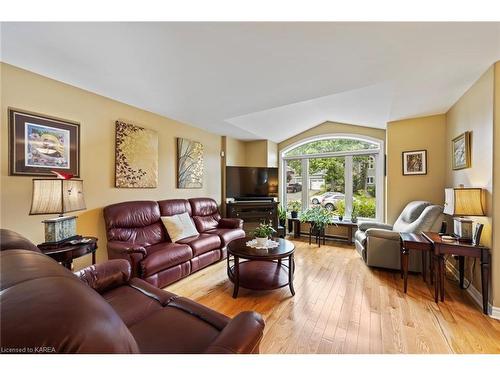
point(414, 162)
point(189, 164)
point(461, 151)
point(39, 144)
point(136, 156)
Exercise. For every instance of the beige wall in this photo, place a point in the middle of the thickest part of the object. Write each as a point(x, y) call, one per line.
point(424, 133)
point(474, 112)
point(235, 152)
point(259, 153)
point(97, 115)
point(495, 213)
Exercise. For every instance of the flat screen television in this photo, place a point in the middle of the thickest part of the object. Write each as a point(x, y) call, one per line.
point(251, 182)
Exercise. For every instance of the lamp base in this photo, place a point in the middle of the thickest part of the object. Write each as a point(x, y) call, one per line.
point(59, 229)
point(463, 229)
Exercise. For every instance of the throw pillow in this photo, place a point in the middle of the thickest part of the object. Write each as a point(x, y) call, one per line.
point(179, 226)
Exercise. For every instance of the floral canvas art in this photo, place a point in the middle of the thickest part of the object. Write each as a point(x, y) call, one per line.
point(189, 164)
point(136, 157)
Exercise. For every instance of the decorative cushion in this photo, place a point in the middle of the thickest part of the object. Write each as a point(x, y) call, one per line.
point(179, 226)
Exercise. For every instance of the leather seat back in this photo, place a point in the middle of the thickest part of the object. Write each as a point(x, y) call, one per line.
point(205, 213)
point(13, 240)
point(135, 221)
point(45, 308)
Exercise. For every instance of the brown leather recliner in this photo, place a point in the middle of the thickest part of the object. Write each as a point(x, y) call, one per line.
point(136, 233)
point(44, 308)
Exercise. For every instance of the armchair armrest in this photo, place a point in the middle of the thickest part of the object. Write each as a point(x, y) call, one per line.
point(365, 225)
point(241, 335)
point(230, 223)
point(105, 276)
point(120, 247)
point(383, 233)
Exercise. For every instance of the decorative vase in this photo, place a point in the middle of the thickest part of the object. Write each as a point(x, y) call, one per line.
point(294, 214)
point(341, 218)
point(261, 241)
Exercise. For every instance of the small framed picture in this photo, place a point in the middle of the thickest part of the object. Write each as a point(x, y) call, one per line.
point(40, 144)
point(461, 151)
point(414, 162)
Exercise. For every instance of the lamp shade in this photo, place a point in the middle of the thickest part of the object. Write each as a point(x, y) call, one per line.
point(464, 202)
point(56, 196)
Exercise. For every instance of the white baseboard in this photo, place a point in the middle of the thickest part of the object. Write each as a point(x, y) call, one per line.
point(475, 294)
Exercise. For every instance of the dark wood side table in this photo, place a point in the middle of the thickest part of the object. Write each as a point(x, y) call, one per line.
point(66, 251)
point(414, 241)
point(462, 250)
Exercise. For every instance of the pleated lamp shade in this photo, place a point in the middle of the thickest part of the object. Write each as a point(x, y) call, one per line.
point(57, 196)
point(464, 202)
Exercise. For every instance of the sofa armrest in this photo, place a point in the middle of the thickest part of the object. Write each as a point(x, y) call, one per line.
point(365, 225)
point(231, 223)
point(382, 233)
point(105, 276)
point(120, 247)
point(242, 335)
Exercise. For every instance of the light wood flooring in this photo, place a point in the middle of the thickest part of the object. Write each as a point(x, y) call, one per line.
point(342, 306)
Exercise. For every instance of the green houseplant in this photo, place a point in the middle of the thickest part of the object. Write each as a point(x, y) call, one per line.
point(282, 215)
point(262, 233)
point(294, 208)
point(319, 217)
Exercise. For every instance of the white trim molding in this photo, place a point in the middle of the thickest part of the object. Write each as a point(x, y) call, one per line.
point(477, 297)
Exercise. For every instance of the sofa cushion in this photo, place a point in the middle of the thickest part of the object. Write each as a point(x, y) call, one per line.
point(170, 207)
point(227, 235)
point(135, 221)
point(202, 243)
point(205, 213)
point(179, 226)
point(164, 255)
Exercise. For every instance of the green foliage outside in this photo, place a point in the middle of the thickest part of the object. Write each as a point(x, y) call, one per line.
point(362, 206)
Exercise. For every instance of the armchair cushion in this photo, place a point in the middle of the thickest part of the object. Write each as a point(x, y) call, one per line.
point(107, 275)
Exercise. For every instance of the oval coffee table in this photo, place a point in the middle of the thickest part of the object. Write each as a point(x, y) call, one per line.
point(261, 269)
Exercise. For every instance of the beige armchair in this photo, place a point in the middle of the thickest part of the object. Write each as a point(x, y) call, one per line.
point(378, 243)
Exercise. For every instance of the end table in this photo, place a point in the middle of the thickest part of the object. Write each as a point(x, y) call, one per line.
point(70, 249)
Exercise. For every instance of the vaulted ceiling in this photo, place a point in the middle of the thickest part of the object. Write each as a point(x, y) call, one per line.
point(263, 80)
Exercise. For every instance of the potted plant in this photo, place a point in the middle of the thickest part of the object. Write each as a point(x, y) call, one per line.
point(294, 208)
point(262, 233)
point(282, 216)
point(319, 217)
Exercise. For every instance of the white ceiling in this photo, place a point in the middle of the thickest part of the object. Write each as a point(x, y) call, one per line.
point(263, 80)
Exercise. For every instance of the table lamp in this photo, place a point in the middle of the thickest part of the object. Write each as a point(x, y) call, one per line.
point(57, 196)
point(461, 202)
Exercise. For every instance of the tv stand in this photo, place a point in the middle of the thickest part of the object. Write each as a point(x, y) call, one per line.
point(254, 199)
point(254, 212)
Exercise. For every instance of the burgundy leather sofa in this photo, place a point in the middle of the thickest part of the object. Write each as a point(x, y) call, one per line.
point(136, 233)
point(44, 308)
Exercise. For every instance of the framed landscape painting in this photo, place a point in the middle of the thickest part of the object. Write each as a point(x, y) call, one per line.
point(40, 144)
point(414, 162)
point(189, 164)
point(461, 151)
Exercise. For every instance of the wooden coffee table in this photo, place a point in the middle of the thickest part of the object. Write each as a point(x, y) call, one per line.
point(261, 269)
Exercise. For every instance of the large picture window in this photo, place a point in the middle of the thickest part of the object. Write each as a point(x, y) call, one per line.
point(342, 173)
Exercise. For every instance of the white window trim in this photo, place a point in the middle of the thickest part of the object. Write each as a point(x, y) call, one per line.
point(379, 162)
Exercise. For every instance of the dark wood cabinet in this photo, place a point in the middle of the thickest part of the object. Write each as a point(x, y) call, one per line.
point(253, 213)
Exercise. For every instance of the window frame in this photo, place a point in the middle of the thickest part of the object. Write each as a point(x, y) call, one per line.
point(379, 161)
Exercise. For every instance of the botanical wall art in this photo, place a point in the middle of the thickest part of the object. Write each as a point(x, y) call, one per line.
point(136, 156)
point(414, 162)
point(40, 144)
point(189, 164)
point(461, 151)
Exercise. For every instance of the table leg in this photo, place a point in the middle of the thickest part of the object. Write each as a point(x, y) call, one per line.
point(404, 256)
point(438, 278)
point(441, 276)
point(93, 257)
point(485, 280)
point(431, 266)
point(236, 276)
point(424, 265)
point(461, 270)
point(291, 271)
point(67, 264)
point(401, 268)
point(290, 226)
point(296, 228)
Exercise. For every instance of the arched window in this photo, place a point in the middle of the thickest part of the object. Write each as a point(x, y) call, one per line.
point(341, 172)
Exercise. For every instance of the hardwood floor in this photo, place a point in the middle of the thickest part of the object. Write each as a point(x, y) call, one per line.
point(342, 306)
